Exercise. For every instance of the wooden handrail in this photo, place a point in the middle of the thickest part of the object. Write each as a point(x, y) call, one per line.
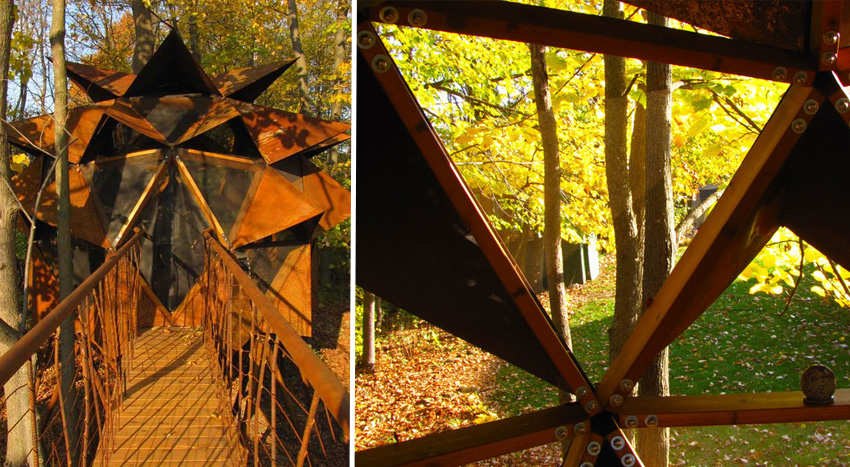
point(323, 380)
point(30, 342)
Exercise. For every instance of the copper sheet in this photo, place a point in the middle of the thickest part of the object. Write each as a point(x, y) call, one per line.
point(280, 134)
point(276, 206)
point(246, 84)
point(99, 84)
point(323, 191)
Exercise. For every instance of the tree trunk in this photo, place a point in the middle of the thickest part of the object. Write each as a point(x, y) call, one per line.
point(637, 173)
point(305, 105)
point(628, 282)
point(367, 361)
point(340, 53)
point(66, 272)
point(19, 442)
point(551, 205)
point(653, 444)
point(143, 23)
point(194, 39)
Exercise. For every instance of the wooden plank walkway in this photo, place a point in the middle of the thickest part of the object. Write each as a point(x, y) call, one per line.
point(170, 414)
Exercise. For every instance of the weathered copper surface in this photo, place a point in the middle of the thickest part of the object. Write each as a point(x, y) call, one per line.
point(175, 152)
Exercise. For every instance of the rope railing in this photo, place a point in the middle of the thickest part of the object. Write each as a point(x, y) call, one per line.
point(105, 304)
point(273, 383)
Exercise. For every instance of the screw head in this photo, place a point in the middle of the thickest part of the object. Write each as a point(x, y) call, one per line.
point(842, 105)
point(631, 421)
point(365, 39)
point(628, 460)
point(618, 443)
point(616, 400)
point(829, 58)
point(798, 126)
point(800, 77)
point(417, 18)
point(651, 420)
point(627, 385)
point(594, 448)
point(380, 63)
point(779, 74)
point(831, 37)
point(582, 392)
point(591, 406)
point(388, 14)
point(580, 428)
point(586, 464)
point(561, 433)
point(811, 107)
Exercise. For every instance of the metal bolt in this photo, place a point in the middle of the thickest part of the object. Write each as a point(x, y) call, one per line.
point(616, 400)
point(651, 420)
point(593, 448)
point(828, 58)
point(381, 63)
point(561, 432)
point(798, 125)
point(618, 443)
point(388, 14)
point(582, 392)
point(628, 460)
point(417, 18)
point(831, 37)
point(365, 39)
point(631, 421)
point(779, 74)
point(580, 428)
point(842, 105)
point(627, 385)
point(586, 464)
point(811, 107)
point(800, 77)
point(591, 406)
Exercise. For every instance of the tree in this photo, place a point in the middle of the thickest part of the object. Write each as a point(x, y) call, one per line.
point(306, 106)
point(20, 449)
point(66, 272)
point(629, 261)
point(367, 360)
point(143, 25)
point(660, 247)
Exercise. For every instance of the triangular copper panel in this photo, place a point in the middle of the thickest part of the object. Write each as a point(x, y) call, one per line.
point(86, 219)
point(37, 132)
point(291, 290)
point(172, 70)
point(277, 205)
point(99, 85)
point(320, 188)
point(123, 111)
point(280, 134)
point(247, 84)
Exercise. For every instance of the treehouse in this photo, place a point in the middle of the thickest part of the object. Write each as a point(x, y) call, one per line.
point(174, 152)
point(424, 244)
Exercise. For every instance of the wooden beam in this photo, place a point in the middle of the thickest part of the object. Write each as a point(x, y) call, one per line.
point(737, 228)
point(473, 216)
point(190, 184)
point(147, 194)
point(824, 32)
point(570, 30)
point(476, 442)
point(734, 409)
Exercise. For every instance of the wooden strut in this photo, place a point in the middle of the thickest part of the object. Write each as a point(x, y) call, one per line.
point(570, 30)
point(30, 342)
point(325, 383)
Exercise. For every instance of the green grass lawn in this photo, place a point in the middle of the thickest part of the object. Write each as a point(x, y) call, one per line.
point(743, 343)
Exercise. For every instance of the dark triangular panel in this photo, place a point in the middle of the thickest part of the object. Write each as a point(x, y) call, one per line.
point(172, 70)
point(414, 249)
point(247, 84)
point(172, 252)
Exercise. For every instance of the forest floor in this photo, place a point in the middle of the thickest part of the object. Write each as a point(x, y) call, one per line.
point(427, 380)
